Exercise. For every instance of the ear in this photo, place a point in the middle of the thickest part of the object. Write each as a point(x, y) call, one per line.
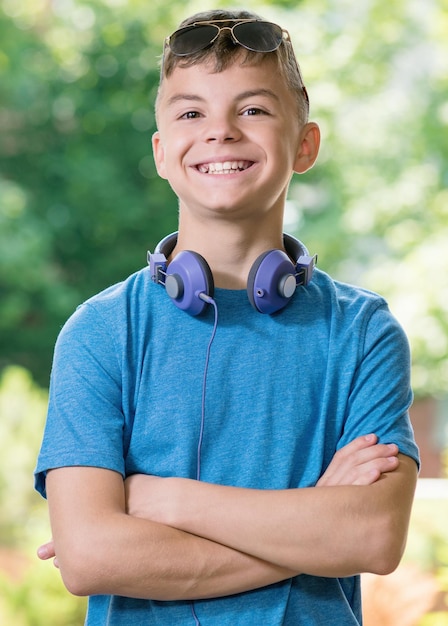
point(308, 149)
point(158, 151)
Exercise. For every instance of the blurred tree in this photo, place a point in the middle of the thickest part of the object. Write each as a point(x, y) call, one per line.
point(80, 201)
point(22, 417)
point(31, 592)
point(375, 207)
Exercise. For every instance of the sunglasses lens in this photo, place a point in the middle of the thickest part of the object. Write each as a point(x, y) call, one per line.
point(191, 39)
point(259, 36)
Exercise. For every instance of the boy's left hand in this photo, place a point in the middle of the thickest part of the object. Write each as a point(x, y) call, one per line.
point(361, 462)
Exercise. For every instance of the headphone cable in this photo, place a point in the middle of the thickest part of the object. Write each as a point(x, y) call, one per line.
point(211, 301)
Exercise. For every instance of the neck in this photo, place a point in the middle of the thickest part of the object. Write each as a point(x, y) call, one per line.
point(230, 248)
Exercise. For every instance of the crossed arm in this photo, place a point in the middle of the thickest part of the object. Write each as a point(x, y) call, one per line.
point(172, 538)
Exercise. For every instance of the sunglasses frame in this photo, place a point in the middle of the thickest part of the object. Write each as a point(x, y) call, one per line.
point(284, 34)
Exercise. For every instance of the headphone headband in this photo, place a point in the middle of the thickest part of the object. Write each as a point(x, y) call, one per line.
point(167, 245)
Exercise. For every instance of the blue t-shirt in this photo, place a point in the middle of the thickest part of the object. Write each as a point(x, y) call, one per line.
point(283, 393)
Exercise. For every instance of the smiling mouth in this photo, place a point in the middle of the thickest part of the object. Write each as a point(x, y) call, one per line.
point(226, 167)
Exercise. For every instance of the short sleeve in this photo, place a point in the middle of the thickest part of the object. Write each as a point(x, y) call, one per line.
point(85, 418)
point(381, 393)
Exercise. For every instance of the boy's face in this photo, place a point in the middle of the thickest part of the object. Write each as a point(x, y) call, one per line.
point(228, 142)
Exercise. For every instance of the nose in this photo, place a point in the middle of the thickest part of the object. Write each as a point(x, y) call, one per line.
point(222, 129)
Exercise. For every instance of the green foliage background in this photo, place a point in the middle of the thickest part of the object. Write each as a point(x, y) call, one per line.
point(80, 201)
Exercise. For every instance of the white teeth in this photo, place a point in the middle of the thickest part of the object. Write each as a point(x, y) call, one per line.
point(226, 167)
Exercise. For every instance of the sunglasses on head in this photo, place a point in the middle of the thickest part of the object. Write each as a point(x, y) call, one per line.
point(255, 35)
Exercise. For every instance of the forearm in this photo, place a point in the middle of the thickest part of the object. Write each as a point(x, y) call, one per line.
point(115, 553)
point(326, 531)
point(303, 529)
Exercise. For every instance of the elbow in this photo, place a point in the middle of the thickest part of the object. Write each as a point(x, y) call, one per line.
point(80, 571)
point(387, 548)
point(384, 564)
point(76, 586)
point(77, 580)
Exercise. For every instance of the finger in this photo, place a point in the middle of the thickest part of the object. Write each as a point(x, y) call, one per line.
point(360, 443)
point(379, 451)
point(362, 467)
point(346, 454)
point(349, 457)
point(371, 472)
point(46, 551)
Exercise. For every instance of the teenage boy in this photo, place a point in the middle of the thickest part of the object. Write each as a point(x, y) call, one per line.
point(209, 455)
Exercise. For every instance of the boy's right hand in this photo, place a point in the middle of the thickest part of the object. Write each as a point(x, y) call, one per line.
point(46, 552)
point(361, 462)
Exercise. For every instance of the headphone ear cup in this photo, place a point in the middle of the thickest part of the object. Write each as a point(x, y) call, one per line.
point(252, 278)
point(271, 282)
point(188, 276)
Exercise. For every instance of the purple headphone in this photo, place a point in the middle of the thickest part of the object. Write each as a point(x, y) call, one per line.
point(271, 283)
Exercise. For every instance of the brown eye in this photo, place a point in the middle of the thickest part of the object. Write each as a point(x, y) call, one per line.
point(190, 115)
point(254, 111)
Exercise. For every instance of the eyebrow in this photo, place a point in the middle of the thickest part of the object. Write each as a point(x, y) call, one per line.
point(183, 96)
point(250, 93)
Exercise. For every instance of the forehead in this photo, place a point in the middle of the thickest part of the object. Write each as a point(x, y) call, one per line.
point(202, 79)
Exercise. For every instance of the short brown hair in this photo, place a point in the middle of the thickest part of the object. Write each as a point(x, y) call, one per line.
point(224, 52)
